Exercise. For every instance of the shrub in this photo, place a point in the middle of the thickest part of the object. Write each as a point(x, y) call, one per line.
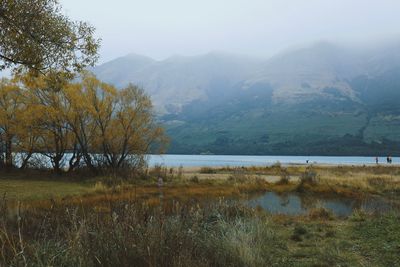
point(300, 230)
point(159, 171)
point(100, 187)
point(284, 177)
point(277, 165)
point(307, 178)
point(194, 179)
point(358, 215)
point(238, 176)
point(298, 233)
point(320, 213)
point(207, 170)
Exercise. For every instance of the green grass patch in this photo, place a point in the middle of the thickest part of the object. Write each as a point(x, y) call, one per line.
point(378, 240)
point(25, 187)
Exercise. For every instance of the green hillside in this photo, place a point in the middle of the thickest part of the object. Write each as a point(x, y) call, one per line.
point(319, 100)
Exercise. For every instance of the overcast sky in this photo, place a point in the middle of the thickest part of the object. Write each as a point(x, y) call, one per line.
point(161, 28)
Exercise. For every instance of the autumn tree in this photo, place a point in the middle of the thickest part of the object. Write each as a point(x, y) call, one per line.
point(47, 105)
point(86, 121)
point(135, 128)
point(28, 135)
point(36, 34)
point(10, 116)
point(80, 117)
point(115, 128)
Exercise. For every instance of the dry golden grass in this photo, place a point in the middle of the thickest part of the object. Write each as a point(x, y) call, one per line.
point(220, 182)
point(101, 196)
point(343, 180)
point(361, 180)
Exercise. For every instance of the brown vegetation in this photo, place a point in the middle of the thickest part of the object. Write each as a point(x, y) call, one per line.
point(197, 233)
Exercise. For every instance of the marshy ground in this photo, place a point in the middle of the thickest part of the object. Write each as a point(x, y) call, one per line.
point(193, 219)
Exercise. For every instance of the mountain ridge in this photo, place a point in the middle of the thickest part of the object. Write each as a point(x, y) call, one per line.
point(313, 99)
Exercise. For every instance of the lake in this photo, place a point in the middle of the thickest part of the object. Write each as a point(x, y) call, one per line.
point(299, 204)
point(235, 160)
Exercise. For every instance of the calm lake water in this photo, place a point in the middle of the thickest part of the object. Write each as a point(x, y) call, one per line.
point(297, 204)
point(229, 160)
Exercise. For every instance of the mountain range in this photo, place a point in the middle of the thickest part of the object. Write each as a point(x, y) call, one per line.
point(323, 99)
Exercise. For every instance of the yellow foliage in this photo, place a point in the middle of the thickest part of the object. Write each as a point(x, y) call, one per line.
point(98, 123)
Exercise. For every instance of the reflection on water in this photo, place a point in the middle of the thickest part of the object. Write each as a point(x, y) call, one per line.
point(297, 204)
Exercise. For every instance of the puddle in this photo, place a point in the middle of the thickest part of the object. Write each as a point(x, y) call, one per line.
point(298, 204)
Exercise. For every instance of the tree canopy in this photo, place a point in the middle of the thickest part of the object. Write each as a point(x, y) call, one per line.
point(88, 123)
point(35, 34)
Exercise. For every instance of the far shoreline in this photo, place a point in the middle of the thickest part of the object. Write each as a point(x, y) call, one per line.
point(186, 160)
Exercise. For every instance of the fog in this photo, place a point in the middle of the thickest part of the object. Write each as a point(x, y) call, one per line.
point(160, 28)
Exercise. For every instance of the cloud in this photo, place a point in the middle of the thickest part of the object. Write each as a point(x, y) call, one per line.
point(160, 28)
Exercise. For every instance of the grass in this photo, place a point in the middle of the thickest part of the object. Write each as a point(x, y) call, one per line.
point(218, 234)
point(378, 235)
point(341, 180)
point(354, 181)
point(361, 180)
point(23, 188)
point(191, 222)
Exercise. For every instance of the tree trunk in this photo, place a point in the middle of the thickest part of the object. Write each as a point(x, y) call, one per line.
point(74, 160)
point(25, 161)
point(9, 159)
point(57, 163)
point(89, 162)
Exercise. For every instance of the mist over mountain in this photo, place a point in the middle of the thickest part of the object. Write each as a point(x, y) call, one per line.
point(178, 80)
point(323, 99)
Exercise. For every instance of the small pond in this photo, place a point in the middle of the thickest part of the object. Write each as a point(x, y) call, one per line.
point(298, 204)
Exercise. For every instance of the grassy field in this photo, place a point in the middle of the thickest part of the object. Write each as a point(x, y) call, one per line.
point(40, 185)
point(35, 190)
point(191, 222)
point(216, 181)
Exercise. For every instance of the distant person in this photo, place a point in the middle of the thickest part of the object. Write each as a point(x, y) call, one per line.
point(307, 161)
point(376, 160)
point(388, 159)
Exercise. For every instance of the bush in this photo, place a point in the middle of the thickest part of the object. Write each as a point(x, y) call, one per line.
point(298, 233)
point(238, 176)
point(308, 178)
point(358, 215)
point(100, 187)
point(159, 171)
point(277, 165)
point(284, 177)
point(321, 213)
point(194, 179)
point(207, 170)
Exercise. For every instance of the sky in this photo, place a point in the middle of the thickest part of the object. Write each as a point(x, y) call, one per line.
point(161, 28)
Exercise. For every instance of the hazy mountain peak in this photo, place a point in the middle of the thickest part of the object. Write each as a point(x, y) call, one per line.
point(134, 56)
point(298, 74)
